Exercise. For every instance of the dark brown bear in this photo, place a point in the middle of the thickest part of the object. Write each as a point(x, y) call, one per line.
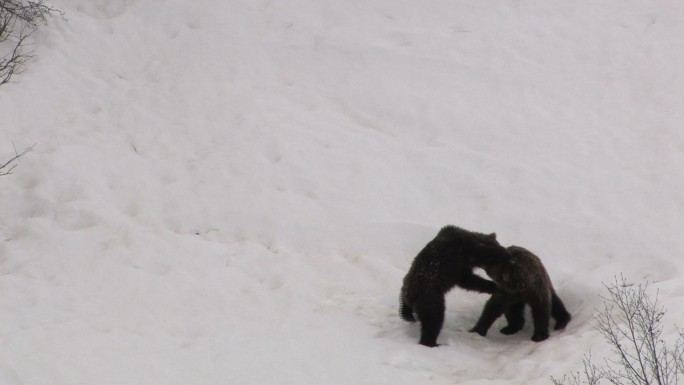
point(522, 281)
point(446, 261)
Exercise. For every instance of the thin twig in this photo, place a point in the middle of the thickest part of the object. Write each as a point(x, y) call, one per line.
point(16, 156)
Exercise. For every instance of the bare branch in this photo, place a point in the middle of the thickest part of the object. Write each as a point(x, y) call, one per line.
point(7, 167)
point(18, 20)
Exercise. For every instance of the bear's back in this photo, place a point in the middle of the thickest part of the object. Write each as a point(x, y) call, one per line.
point(525, 273)
point(439, 265)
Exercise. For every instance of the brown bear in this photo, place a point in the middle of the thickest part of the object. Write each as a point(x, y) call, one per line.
point(521, 281)
point(446, 261)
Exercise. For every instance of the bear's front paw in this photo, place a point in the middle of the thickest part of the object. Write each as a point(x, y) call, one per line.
point(479, 331)
point(538, 337)
point(561, 324)
point(508, 330)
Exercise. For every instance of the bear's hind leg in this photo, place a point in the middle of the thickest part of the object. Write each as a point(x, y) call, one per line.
point(406, 311)
point(541, 313)
point(430, 311)
point(559, 313)
point(515, 317)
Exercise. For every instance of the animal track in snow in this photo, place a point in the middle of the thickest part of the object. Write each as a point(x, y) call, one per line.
point(74, 220)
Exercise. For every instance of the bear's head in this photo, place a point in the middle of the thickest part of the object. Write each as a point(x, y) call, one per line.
point(485, 251)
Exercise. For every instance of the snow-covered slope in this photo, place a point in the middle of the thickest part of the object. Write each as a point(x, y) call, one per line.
point(230, 192)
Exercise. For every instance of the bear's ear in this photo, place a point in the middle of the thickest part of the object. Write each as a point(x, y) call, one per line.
point(492, 236)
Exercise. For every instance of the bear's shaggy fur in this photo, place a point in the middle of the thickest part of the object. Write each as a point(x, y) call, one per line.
point(446, 261)
point(522, 281)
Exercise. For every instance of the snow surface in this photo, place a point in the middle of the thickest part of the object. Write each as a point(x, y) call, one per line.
point(230, 192)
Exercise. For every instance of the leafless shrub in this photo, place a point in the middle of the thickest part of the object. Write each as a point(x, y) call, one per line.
point(18, 20)
point(631, 322)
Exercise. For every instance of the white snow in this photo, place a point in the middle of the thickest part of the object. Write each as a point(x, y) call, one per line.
point(230, 192)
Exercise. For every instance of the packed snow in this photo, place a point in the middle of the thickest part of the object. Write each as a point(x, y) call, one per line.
point(230, 192)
